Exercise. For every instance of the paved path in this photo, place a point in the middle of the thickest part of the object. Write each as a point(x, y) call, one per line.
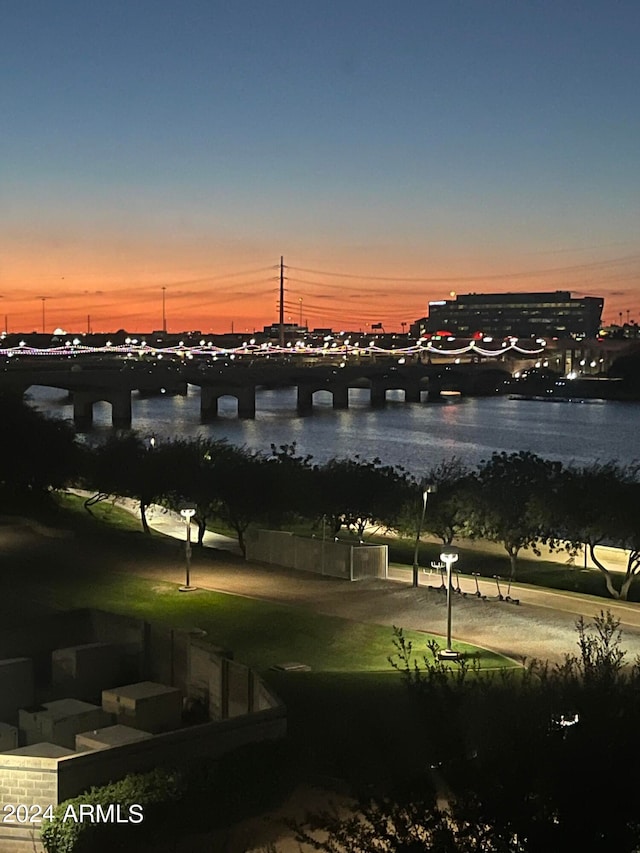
point(541, 626)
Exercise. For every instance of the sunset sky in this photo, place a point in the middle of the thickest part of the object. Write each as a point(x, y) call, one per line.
point(393, 152)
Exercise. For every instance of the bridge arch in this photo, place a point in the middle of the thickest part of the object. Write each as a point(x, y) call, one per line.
point(84, 401)
point(210, 396)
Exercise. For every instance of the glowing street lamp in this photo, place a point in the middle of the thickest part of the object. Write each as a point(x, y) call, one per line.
point(427, 489)
point(448, 556)
point(187, 513)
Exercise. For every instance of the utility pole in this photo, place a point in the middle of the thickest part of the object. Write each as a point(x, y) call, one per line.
point(281, 301)
point(44, 299)
point(164, 313)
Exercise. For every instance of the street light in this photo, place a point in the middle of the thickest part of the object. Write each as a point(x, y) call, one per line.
point(187, 513)
point(448, 556)
point(427, 489)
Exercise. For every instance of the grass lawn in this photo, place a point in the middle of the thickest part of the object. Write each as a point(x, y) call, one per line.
point(348, 718)
point(260, 633)
point(104, 511)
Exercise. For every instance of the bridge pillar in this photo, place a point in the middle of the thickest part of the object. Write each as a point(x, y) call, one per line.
point(246, 402)
point(83, 409)
point(304, 403)
point(120, 409)
point(378, 395)
point(341, 397)
point(179, 387)
point(120, 401)
point(208, 404)
point(412, 392)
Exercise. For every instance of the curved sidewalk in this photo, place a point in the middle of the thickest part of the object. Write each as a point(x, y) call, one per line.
point(542, 625)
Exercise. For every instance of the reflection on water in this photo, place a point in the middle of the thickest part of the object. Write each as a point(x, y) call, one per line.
point(415, 435)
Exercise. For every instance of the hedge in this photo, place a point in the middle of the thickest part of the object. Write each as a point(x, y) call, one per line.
point(93, 822)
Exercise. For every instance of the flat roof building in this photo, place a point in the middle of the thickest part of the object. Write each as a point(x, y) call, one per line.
point(554, 314)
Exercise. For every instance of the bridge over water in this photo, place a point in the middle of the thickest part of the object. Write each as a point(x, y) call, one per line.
point(114, 382)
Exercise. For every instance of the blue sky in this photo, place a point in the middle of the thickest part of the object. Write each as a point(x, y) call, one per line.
point(173, 144)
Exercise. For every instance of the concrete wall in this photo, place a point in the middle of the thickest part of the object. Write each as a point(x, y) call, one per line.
point(146, 705)
point(36, 639)
point(8, 737)
point(322, 556)
point(180, 748)
point(205, 684)
point(41, 782)
point(241, 708)
point(16, 687)
point(82, 672)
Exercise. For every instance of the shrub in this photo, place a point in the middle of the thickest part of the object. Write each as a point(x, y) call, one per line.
point(88, 823)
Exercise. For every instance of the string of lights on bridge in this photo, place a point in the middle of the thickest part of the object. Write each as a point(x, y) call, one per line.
point(133, 348)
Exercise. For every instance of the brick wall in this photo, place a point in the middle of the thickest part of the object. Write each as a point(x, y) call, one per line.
point(27, 781)
point(33, 781)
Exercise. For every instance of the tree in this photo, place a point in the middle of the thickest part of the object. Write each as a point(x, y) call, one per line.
point(293, 483)
point(506, 491)
point(234, 484)
point(243, 488)
point(415, 826)
point(37, 453)
point(594, 506)
point(191, 472)
point(356, 493)
point(448, 510)
point(126, 465)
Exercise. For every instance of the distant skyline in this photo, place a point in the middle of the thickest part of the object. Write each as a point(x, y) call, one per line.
point(394, 153)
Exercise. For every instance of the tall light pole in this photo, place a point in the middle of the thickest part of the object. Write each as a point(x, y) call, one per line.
point(187, 513)
point(427, 489)
point(448, 557)
point(164, 313)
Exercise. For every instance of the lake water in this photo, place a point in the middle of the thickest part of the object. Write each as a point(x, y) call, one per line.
point(414, 435)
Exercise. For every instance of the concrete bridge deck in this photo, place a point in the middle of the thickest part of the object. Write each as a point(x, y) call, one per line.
point(114, 383)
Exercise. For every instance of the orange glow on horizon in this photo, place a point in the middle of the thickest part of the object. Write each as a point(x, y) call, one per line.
point(103, 293)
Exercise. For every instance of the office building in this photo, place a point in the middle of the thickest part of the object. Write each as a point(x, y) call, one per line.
point(523, 315)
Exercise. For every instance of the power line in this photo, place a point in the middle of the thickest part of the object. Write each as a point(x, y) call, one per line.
point(592, 265)
point(214, 278)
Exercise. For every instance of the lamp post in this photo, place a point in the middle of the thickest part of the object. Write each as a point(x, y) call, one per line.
point(187, 513)
point(448, 556)
point(427, 489)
